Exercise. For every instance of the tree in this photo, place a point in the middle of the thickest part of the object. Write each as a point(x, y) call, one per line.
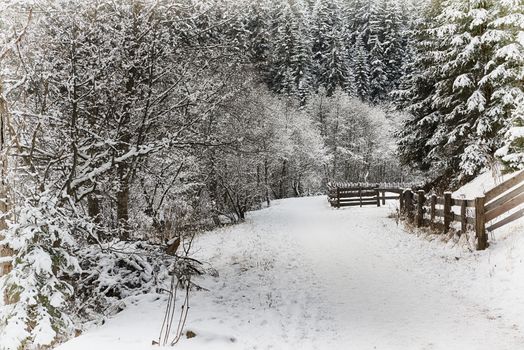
point(506, 75)
point(330, 53)
point(361, 70)
point(393, 42)
point(457, 126)
point(512, 153)
point(378, 79)
point(416, 95)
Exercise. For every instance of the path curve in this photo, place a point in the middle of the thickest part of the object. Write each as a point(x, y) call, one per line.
point(301, 275)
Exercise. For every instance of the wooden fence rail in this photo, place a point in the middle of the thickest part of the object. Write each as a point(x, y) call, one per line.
point(498, 207)
point(345, 194)
point(483, 214)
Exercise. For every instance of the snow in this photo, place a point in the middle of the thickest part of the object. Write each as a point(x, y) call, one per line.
point(44, 333)
point(301, 275)
point(462, 81)
point(476, 101)
point(517, 131)
point(483, 183)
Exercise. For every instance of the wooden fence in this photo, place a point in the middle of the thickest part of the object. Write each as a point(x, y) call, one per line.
point(345, 194)
point(498, 207)
point(482, 214)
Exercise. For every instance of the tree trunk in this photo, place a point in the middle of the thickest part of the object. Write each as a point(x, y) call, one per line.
point(93, 209)
point(282, 187)
point(266, 181)
point(4, 187)
point(122, 199)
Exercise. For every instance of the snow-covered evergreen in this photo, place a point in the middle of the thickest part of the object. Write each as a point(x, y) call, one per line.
point(474, 64)
point(36, 295)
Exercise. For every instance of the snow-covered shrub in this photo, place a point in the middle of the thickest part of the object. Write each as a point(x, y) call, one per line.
point(116, 270)
point(35, 294)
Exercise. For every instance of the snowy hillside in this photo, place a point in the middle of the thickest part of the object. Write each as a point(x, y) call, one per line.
point(482, 183)
point(301, 275)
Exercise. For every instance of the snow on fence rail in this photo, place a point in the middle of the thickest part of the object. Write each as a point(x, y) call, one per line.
point(345, 194)
point(498, 207)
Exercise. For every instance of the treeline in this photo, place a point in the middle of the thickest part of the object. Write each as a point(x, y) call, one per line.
point(361, 47)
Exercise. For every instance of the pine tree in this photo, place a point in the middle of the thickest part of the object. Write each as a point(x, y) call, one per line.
point(359, 22)
point(330, 54)
point(301, 56)
point(512, 153)
point(392, 42)
point(379, 84)
point(506, 75)
point(361, 70)
point(256, 24)
point(35, 313)
point(453, 129)
point(289, 51)
point(416, 94)
point(410, 23)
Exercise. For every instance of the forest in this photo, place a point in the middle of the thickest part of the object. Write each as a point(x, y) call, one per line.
point(130, 126)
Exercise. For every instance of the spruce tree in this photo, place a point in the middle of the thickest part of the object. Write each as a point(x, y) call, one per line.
point(289, 53)
point(512, 153)
point(330, 54)
point(392, 42)
point(506, 74)
point(361, 69)
point(452, 129)
point(378, 79)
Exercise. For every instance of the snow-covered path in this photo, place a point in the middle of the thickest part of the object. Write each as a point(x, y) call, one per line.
point(301, 275)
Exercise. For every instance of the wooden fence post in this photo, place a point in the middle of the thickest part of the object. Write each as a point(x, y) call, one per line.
point(338, 197)
point(480, 223)
point(419, 218)
point(408, 204)
point(447, 211)
point(383, 197)
point(463, 217)
point(401, 202)
point(432, 210)
point(360, 195)
point(378, 197)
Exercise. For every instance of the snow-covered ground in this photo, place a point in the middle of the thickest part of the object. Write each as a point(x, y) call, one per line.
point(483, 183)
point(302, 275)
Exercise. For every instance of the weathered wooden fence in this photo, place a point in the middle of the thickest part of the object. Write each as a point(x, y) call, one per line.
point(498, 207)
point(345, 194)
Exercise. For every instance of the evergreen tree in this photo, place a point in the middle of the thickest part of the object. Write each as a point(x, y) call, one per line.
point(361, 69)
point(289, 52)
point(512, 153)
point(358, 17)
point(256, 24)
point(378, 84)
point(453, 129)
point(415, 97)
point(330, 54)
point(392, 42)
point(507, 77)
point(301, 55)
